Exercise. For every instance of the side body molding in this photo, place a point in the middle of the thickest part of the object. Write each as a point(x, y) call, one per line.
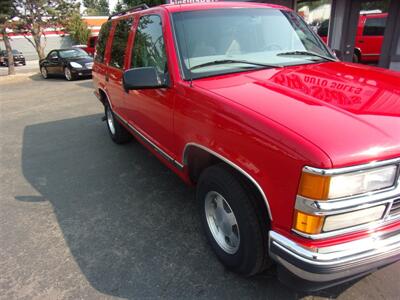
point(233, 165)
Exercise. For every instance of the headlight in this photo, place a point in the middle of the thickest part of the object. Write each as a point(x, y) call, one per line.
point(322, 187)
point(353, 218)
point(76, 65)
point(316, 224)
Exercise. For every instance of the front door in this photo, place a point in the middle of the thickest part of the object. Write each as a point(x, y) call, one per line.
point(150, 111)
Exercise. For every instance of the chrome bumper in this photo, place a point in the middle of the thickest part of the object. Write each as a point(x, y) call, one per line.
point(335, 263)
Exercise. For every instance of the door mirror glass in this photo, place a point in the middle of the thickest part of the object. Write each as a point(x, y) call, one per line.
point(143, 78)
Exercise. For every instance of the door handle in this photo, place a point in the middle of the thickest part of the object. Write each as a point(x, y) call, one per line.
point(107, 77)
point(361, 41)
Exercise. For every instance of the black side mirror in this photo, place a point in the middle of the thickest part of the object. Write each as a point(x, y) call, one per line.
point(143, 78)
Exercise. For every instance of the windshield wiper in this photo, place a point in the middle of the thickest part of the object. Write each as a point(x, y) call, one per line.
point(233, 61)
point(305, 53)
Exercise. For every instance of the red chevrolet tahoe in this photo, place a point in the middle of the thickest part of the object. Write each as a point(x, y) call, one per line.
point(295, 155)
point(369, 36)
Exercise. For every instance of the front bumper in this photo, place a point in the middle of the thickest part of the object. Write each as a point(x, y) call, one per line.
point(318, 268)
point(82, 72)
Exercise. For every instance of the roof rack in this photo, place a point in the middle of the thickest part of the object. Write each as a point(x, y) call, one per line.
point(142, 6)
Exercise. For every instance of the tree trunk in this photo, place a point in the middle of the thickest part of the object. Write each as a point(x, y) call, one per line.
point(37, 38)
point(11, 67)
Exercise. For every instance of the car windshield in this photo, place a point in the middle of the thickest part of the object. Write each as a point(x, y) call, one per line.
point(15, 52)
point(220, 41)
point(72, 53)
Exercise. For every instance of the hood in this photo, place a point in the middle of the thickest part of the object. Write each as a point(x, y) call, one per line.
point(349, 111)
point(80, 60)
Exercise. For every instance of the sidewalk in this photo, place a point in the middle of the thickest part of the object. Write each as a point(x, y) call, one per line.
point(32, 66)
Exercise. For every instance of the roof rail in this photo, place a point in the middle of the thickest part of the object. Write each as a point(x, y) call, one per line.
point(142, 6)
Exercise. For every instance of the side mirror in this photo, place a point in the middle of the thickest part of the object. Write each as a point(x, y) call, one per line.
point(142, 78)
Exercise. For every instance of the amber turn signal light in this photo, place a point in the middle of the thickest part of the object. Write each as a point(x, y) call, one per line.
point(307, 223)
point(314, 186)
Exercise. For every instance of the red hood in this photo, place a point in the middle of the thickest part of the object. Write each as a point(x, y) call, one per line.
point(351, 112)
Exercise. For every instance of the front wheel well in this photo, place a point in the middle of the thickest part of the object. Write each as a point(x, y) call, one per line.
point(197, 160)
point(103, 97)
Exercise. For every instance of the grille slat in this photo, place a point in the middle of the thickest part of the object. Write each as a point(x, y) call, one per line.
point(395, 210)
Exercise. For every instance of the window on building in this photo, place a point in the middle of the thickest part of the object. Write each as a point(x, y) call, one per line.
point(120, 40)
point(149, 49)
point(375, 26)
point(102, 41)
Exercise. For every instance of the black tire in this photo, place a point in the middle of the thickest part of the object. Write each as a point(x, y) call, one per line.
point(68, 74)
point(251, 257)
point(119, 134)
point(44, 72)
point(356, 58)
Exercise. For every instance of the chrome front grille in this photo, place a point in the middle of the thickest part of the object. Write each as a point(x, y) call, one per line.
point(395, 210)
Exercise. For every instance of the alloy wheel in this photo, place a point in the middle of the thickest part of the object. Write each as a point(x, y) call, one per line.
point(222, 222)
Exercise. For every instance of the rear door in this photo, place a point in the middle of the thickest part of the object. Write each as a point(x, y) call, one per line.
point(117, 62)
point(100, 59)
point(372, 37)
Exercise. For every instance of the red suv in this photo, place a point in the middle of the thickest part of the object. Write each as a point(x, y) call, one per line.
point(295, 155)
point(369, 37)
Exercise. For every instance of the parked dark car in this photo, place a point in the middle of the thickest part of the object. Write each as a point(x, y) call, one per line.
point(72, 63)
point(19, 58)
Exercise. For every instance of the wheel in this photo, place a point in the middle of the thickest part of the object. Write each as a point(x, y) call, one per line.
point(24, 63)
point(68, 74)
point(117, 132)
point(231, 223)
point(44, 72)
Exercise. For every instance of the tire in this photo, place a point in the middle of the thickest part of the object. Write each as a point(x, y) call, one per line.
point(356, 58)
point(44, 73)
point(68, 74)
point(118, 133)
point(245, 250)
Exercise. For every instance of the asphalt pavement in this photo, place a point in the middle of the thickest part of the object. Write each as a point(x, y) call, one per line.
point(84, 218)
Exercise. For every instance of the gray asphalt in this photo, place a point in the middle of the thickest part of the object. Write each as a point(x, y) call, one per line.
point(83, 218)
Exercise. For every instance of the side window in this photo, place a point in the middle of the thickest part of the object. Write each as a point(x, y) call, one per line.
point(148, 48)
point(375, 26)
point(92, 42)
point(119, 43)
point(102, 41)
point(53, 55)
point(324, 28)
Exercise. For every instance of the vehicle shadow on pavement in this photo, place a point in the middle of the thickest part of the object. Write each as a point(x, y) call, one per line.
point(131, 225)
point(86, 82)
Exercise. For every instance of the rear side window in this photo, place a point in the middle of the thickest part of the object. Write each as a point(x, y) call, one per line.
point(375, 26)
point(92, 42)
point(119, 43)
point(102, 41)
point(148, 48)
point(323, 29)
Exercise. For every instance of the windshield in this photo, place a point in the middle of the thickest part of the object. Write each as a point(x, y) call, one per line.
point(258, 35)
point(71, 53)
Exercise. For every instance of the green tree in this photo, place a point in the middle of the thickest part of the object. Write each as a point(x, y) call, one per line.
point(5, 18)
point(96, 7)
point(118, 7)
point(34, 16)
point(131, 3)
point(78, 29)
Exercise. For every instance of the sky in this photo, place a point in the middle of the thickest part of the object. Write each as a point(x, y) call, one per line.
point(111, 5)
